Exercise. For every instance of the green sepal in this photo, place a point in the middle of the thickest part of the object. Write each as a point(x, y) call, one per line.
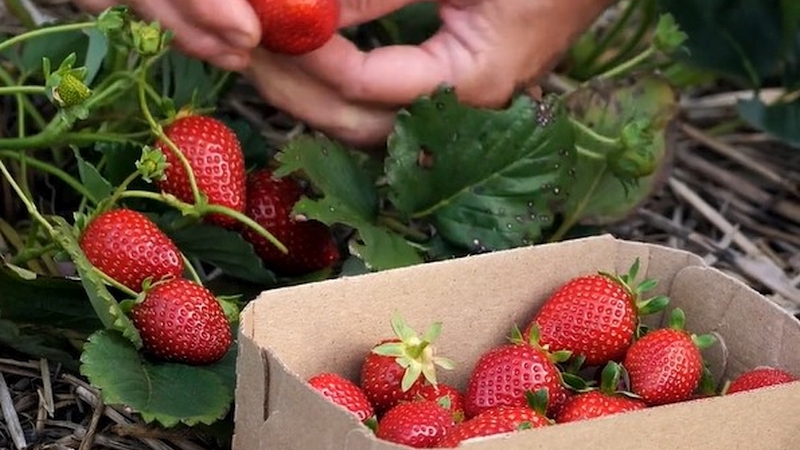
point(560, 356)
point(708, 386)
point(609, 378)
point(668, 35)
point(371, 423)
point(677, 320)
point(704, 341)
point(652, 305)
point(575, 382)
point(538, 401)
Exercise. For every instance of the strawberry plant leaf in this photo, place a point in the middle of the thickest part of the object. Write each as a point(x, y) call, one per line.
point(598, 196)
point(47, 301)
point(92, 179)
point(254, 146)
point(778, 119)
point(105, 305)
point(224, 249)
point(486, 179)
point(95, 54)
point(350, 198)
point(167, 393)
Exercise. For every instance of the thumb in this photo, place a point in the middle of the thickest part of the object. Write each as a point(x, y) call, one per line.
point(354, 12)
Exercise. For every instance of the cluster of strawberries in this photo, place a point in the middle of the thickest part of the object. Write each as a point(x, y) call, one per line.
point(178, 319)
point(585, 354)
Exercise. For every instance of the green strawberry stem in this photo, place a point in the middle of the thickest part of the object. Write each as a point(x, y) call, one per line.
point(25, 200)
point(202, 209)
point(15, 90)
point(609, 36)
point(603, 141)
point(158, 130)
point(8, 43)
point(629, 64)
point(114, 283)
point(192, 271)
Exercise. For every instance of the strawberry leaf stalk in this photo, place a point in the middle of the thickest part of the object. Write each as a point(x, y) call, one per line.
point(596, 317)
point(395, 365)
point(611, 397)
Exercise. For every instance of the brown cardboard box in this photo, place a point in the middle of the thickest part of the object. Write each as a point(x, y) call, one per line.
point(292, 333)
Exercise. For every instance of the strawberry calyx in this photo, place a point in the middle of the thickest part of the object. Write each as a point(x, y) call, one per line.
point(415, 354)
point(677, 321)
point(517, 337)
point(538, 400)
point(644, 306)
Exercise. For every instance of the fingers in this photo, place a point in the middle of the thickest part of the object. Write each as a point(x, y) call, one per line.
point(293, 90)
point(356, 12)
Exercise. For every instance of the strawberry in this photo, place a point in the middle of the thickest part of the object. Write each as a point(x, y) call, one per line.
point(760, 377)
point(215, 156)
point(418, 424)
point(448, 396)
point(666, 365)
point(129, 247)
point(605, 401)
point(295, 27)
point(497, 420)
point(344, 393)
point(182, 321)
point(269, 202)
point(596, 316)
point(505, 374)
point(394, 366)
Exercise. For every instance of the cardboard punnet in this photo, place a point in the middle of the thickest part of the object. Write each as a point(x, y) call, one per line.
point(289, 334)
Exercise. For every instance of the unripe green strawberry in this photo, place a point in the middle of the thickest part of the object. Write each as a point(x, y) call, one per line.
point(71, 91)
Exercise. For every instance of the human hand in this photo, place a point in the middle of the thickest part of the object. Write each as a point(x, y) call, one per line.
point(222, 32)
point(485, 48)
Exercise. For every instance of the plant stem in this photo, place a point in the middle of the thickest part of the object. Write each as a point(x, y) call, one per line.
point(14, 90)
point(8, 43)
point(575, 215)
point(589, 154)
point(407, 231)
point(112, 282)
point(52, 170)
point(649, 14)
point(25, 200)
point(593, 135)
point(205, 209)
point(609, 37)
point(192, 272)
point(629, 64)
point(29, 254)
point(7, 79)
point(158, 130)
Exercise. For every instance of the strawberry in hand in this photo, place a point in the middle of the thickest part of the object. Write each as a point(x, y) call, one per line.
point(596, 316)
point(394, 366)
point(666, 365)
point(295, 27)
point(605, 401)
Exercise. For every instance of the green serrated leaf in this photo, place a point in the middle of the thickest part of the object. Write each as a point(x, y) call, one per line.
point(105, 305)
point(95, 54)
point(46, 301)
point(526, 154)
point(167, 393)
point(224, 249)
point(98, 186)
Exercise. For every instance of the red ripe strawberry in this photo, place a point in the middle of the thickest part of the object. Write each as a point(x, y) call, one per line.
point(605, 401)
point(505, 375)
point(180, 320)
point(499, 420)
point(666, 365)
point(269, 202)
point(596, 316)
point(215, 156)
point(760, 377)
point(345, 393)
point(447, 396)
point(295, 27)
point(418, 424)
point(393, 367)
point(129, 247)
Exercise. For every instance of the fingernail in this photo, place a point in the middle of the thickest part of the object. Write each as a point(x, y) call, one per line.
point(230, 61)
point(241, 40)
